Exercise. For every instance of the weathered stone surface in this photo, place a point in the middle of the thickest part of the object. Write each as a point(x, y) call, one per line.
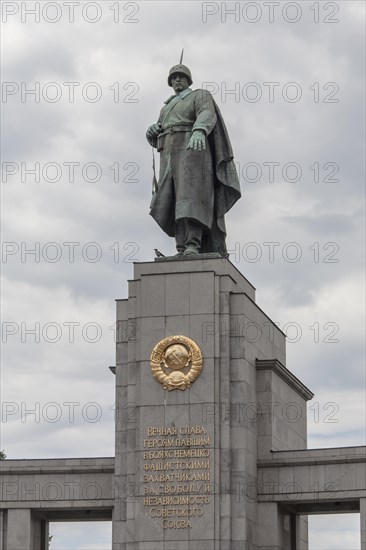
point(210, 302)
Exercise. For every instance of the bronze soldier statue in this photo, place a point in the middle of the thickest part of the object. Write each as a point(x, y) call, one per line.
point(198, 182)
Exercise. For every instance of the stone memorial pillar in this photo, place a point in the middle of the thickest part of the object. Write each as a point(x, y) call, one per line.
point(188, 339)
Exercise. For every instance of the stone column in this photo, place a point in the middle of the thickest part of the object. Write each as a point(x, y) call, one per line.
point(268, 530)
point(2, 529)
point(201, 494)
point(18, 529)
point(302, 532)
point(363, 522)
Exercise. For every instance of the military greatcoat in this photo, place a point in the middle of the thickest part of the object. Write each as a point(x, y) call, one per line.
point(200, 185)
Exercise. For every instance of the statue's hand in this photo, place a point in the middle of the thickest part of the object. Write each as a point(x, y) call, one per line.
point(197, 141)
point(153, 131)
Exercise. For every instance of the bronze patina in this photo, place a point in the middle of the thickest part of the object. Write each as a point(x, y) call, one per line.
point(198, 181)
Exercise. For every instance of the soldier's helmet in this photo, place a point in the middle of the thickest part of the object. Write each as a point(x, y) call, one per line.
point(180, 69)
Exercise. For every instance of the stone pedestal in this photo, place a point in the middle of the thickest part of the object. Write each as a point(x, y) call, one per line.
point(201, 493)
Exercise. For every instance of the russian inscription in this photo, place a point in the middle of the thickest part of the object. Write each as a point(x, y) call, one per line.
point(177, 471)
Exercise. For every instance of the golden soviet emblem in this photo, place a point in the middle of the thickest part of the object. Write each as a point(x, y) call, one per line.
point(176, 362)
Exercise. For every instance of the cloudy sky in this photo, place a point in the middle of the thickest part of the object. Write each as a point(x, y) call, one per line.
point(81, 83)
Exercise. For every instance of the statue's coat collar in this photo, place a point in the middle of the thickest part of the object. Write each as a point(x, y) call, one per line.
point(181, 95)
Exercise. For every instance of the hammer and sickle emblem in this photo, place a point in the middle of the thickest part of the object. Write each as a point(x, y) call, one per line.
point(176, 362)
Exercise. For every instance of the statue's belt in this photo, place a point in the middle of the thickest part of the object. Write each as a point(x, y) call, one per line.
point(171, 130)
point(176, 128)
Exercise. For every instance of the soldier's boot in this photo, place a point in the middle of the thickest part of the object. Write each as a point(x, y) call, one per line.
point(188, 236)
point(191, 251)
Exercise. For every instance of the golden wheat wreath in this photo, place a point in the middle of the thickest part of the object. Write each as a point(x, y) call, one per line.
point(176, 362)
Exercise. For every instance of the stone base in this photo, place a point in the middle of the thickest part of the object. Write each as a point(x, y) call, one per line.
point(191, 455)
point(181, 257)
